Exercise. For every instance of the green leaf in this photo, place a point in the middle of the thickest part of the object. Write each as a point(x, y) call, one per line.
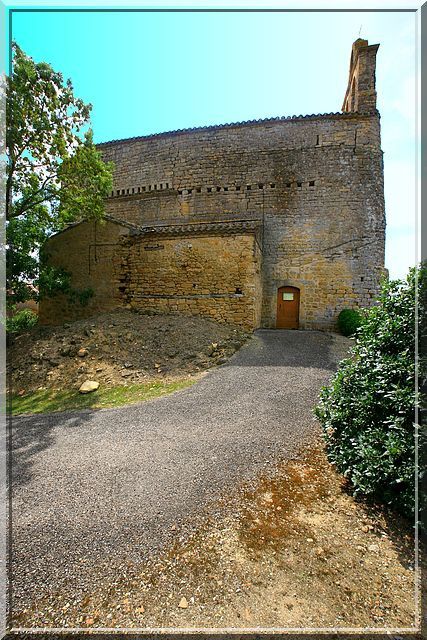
point(367, 412)
point(54, 177)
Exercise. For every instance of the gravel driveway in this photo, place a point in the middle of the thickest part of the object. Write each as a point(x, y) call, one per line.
point(96, 492)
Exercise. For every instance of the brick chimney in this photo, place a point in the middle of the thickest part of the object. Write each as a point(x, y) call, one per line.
point(361, 95)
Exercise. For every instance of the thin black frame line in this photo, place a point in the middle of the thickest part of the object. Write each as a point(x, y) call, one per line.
point(198, 10)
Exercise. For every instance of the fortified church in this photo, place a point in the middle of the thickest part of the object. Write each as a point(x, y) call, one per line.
point(267, 223)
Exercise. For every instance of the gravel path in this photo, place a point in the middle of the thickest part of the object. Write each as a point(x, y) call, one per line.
point(96, 492)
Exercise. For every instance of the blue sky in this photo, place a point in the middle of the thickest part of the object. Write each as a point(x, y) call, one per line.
point(151, 72)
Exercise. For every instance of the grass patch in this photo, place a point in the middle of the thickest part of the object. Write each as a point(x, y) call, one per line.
point(48, 401)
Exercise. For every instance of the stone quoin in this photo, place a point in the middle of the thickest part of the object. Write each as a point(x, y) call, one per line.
point(232, 222)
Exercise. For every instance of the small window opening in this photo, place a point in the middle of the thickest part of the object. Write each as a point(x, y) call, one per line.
point(272, 185)
point(237, 187)
point(288, 184)
point(299, 185)
point(123, 192)
point(149, 187)
point(218, 188)
point(225, 188)
point(317, 140)
point(199, 190)
point(179, 192)
point(362, 279)
point(194, 285)
point(155, 187)
point(311, 183)
point(260, 186)
point(238, 291)
point(167, 185)
point(144, 189)
point(209, 189)
point(190, 191)
point(248, 187)
point(139, 189)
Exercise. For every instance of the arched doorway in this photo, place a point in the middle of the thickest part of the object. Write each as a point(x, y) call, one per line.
point(287, 308)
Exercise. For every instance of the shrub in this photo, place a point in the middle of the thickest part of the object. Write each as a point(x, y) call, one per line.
point(82, 297)
point(348, 321)
point(368, 412)
point(22, 321)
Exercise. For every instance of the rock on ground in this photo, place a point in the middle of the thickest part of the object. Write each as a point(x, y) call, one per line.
point(88, 386)
point(118, 348)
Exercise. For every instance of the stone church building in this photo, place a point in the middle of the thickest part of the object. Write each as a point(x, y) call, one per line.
point(267, 223)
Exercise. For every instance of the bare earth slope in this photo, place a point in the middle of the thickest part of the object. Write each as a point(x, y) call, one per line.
point(116, 348)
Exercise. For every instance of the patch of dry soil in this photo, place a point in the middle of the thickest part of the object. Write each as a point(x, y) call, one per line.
point(118, 348)
point(294, 550)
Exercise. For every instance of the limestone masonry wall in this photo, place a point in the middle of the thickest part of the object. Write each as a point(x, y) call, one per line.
point(206, 275)
point(317, 182)
point(216, 277)
point(212, 212)
point(227, 170)
point(88, 252)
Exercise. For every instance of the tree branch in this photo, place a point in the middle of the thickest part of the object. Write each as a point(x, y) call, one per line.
point(29, 202)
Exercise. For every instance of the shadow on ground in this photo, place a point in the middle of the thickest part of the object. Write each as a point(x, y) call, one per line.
point(287, 348)
point(31, 435)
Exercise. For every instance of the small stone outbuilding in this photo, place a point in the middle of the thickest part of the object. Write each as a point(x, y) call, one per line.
point(272, 223)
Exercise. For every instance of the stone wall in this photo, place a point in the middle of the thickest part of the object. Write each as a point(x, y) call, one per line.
point(218, 277)
point(88, 251)
point(328, 240)
point(316, 181)
point(224, 171)
point(210, 272)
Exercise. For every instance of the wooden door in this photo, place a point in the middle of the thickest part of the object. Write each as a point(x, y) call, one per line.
point(287, 308)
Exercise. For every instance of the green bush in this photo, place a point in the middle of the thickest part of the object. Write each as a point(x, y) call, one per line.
point(368, 412)
point(348, 321)
point(22, 321)
point(82, 297)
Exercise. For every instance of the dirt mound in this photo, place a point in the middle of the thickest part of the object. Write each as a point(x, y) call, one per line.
point(118, 348)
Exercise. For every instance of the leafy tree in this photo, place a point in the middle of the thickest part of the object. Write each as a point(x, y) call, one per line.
point(368, 411)
point(54, 175)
